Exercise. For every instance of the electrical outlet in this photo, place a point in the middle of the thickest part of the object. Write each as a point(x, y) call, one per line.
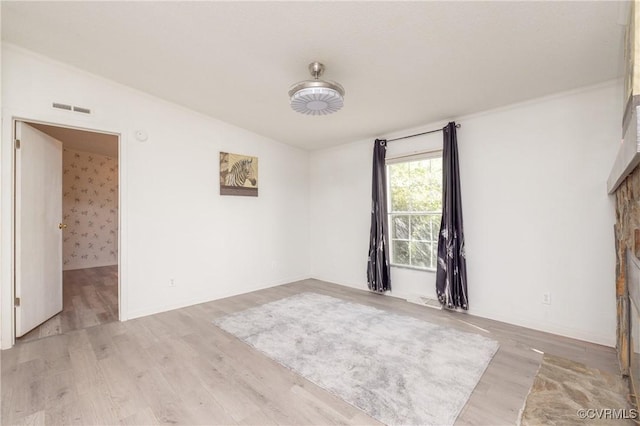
point(546, 298)
point(172, 283)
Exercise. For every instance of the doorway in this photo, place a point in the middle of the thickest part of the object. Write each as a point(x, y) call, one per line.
point(89, 234)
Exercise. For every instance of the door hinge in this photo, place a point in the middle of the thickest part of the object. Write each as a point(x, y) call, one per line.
point(16, 302)
point(17, 143)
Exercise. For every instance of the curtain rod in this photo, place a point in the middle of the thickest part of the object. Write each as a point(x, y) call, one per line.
point(420, 134)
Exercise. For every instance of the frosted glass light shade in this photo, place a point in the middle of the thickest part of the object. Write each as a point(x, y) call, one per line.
point(316, 97)
point(316, 101)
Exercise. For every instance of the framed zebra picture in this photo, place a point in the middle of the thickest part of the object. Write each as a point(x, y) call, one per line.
point(238, 175)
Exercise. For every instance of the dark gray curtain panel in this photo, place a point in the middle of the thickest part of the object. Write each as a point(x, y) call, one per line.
point(451, 275)
point(378, 267)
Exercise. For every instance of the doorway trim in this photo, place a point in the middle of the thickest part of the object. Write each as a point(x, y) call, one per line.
point(8, 216)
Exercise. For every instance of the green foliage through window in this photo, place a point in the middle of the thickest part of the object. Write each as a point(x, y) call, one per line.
point(415, 209)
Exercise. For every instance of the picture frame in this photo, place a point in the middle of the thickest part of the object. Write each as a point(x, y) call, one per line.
point(238, 174)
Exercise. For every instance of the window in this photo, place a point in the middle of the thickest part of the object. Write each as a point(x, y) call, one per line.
point(415, 210)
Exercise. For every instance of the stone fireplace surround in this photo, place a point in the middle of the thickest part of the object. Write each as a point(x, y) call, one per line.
point(633, 285)
point(624, 183)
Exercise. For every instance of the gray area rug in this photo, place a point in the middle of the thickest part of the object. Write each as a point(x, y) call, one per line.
point(397, 369)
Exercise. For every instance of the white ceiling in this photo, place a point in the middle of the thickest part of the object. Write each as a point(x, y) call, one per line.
point(402, 64)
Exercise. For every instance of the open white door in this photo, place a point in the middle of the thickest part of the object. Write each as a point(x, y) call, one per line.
point(38, 232)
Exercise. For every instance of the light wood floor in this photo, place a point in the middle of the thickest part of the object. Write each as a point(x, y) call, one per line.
point(177, 367)
point(90, 297)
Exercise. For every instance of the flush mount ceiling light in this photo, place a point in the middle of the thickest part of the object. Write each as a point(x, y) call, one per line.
point(316, 97)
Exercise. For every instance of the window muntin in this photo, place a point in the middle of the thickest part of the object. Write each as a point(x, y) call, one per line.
point(415, 210)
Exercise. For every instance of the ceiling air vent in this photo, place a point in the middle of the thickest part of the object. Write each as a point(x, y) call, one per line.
point(74, 108)
point(82, 110)
point(61, 106)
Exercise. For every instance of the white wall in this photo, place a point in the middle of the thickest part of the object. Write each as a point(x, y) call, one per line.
point(537, 217)
point(536, 212)
point(340, 215)
point(174, 223)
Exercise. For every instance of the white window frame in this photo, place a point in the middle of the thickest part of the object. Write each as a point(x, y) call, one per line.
point(417, 156)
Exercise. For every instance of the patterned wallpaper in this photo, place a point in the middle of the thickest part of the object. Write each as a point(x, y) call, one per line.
point(90, 210)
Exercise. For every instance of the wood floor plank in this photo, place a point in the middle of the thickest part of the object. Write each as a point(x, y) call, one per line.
point(35, 419)
point(23, 390)
point(167, 406)
point(134, 356)
point(101, 342)
point(87, 374)
point(178, 367)
point(203, 408)
point(68, 414)
point(143, 417)
point(120, 386)
point(97, 408)
point(89, 298)
point(275, 386)
point(59, 389)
